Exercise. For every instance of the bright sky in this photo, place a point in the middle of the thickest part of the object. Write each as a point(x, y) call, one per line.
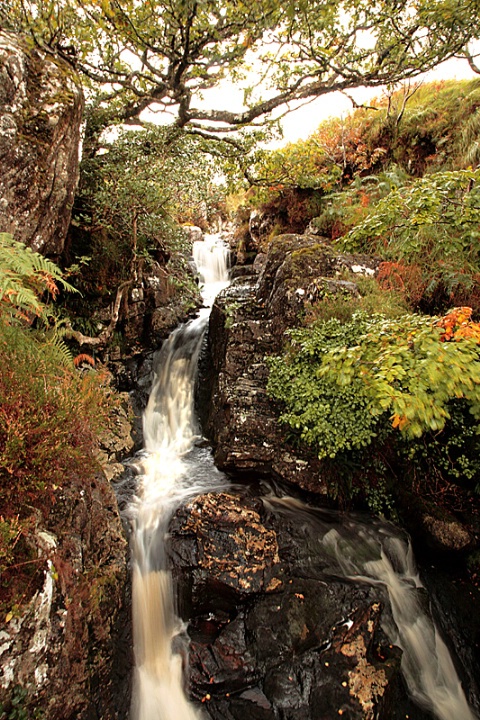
point(302, 122)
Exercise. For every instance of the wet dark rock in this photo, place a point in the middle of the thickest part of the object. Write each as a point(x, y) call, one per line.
point(155, 307)
point(248, 323)
point(232, 545)
point(455, 600)
point(295, 264)
point(241, 271)
point(41, 105)
point(117, 443)
point(447, 532)
point(273, 634)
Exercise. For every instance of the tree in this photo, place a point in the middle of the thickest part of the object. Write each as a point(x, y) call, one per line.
point(140, 184)
point(132, 198)
point(164, 54)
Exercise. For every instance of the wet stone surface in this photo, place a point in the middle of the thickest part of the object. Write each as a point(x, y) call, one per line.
point(247, 324)
point(273, 633)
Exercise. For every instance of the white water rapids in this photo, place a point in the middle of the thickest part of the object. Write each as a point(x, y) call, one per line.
point(173, 469)
point(379, 558)
point(167, 480)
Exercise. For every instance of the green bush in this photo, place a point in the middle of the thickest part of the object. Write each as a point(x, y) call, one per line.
point(433, 224)
point(339, 383)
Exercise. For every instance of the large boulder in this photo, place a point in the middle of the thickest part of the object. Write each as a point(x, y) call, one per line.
point(274, 633)
point(247, 324)
point(41, 107)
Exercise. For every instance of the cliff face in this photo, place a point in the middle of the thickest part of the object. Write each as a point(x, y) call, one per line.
point(61, 649)
point(41, 105)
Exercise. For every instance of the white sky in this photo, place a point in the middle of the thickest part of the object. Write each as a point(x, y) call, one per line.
point(301, 123)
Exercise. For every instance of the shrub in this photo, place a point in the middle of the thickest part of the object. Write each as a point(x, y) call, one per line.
point(432, 224)
point(50, 412)
point(340, 383)
point(48, 419)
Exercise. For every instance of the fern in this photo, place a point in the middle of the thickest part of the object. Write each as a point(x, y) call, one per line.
point(25, 276)
point(469, 145)
point(60, 350)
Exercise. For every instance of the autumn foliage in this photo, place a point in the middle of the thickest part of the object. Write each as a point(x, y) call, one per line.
point(457, 325)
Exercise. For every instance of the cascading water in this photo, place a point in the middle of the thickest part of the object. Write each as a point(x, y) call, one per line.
point(377, 554)
point(378, 557)
point(170, 473)
point(173, 469)
point(211, 258)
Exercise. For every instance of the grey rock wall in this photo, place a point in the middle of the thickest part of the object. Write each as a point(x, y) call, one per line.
point(41, 107)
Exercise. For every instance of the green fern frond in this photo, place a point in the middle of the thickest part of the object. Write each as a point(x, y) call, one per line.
point(24, 276)
point(61, 350)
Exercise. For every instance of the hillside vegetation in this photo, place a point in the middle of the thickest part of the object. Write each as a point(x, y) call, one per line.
point(388, 391)
point(50, 414)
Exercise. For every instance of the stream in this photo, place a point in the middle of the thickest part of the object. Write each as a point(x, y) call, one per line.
point(172, 470)
point(175, 467)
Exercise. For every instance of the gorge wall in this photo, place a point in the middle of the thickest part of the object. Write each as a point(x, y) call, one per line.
point(41, 106)
point(67, 653)
point(62, 655)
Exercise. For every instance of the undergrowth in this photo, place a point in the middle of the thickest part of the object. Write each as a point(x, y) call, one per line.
point(50, 414)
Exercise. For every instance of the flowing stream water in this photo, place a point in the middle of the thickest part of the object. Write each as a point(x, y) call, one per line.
point(377, 553)
point(174, 468)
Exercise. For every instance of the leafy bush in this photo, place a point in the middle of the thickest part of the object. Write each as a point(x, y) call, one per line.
point(340, 383)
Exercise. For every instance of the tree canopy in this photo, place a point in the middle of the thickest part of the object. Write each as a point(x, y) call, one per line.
point(164, 54)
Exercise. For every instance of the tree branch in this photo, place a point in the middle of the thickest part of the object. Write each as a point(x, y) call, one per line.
point(102, 339)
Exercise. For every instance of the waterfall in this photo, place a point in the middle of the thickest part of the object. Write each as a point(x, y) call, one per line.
point(174, 468)
point(378, 557)
point(211, 258)
point(377, 553)
point(170, 473)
